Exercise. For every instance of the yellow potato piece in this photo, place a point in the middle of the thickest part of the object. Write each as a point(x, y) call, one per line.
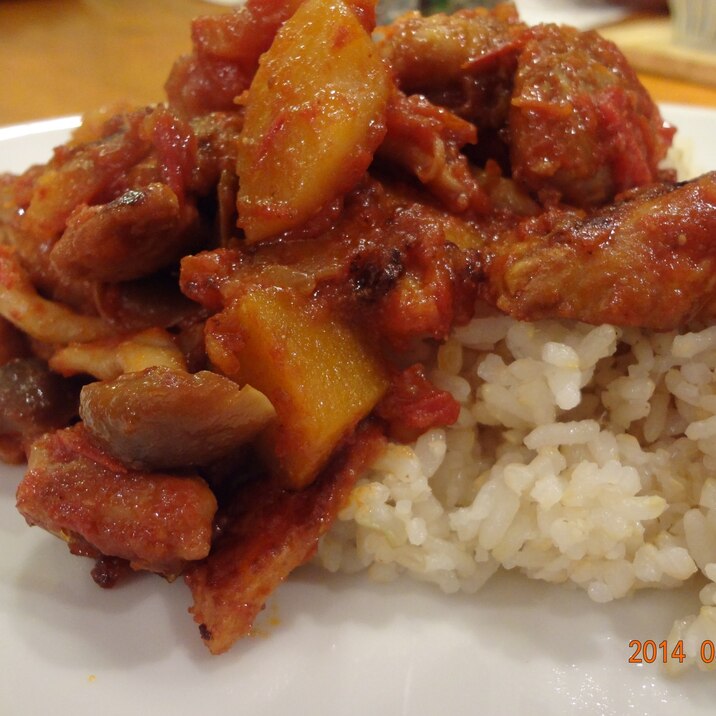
point(315, 370)
point(315, 114)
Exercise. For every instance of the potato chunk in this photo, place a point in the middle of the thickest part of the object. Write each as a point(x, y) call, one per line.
point(316, 371)
point(315, 114)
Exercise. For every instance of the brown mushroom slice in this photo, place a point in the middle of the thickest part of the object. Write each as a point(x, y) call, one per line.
point(75, 490)
point(136, 234)
point(13, 344)
point(161, 418)
point(33, 400)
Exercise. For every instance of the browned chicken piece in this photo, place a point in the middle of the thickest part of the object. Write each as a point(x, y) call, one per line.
point(80, 493)
point(581, 125)
point(390, 264)
point(649, 260)
point(81, 174)
point(578, 123)
point(189, 156)
point(464, 61)
point(77, 174)
point(135, 175)
point(426, 140)
point(161, 418)
point(265, 534)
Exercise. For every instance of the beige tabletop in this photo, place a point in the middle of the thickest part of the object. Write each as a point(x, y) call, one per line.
point(60, 57)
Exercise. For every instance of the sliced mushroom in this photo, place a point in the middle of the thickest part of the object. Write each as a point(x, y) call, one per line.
point(162, 418)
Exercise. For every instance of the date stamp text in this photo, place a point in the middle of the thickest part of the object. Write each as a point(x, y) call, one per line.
point(650, 651)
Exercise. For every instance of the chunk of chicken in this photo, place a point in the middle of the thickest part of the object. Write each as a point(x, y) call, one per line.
point(269, 531)
point(79, 492)
point(581, 125)
point(649, 260)
point(464, 61)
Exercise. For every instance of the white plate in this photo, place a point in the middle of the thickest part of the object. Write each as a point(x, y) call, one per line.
point(330, 645)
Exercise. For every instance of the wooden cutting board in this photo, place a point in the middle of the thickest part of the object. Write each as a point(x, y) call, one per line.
point(649, 46)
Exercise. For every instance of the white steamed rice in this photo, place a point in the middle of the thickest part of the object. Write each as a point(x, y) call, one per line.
point(582, 454)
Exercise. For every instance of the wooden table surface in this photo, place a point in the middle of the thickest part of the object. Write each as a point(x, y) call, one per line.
point(60, 57)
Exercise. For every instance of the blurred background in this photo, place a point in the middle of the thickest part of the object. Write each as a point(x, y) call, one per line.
point(60, 57)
